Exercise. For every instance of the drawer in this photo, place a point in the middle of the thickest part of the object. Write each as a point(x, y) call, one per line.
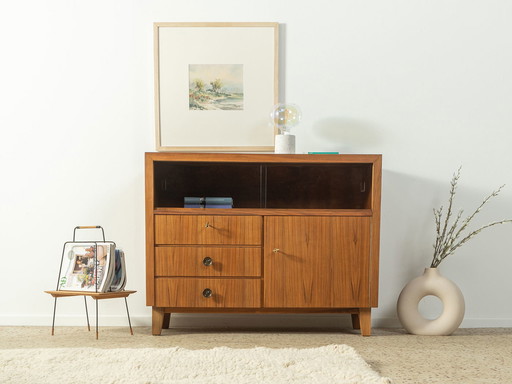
point(208, 261)
point(208, 229)
point(194, 293)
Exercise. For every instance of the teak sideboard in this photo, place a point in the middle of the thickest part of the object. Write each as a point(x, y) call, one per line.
point(302, 236)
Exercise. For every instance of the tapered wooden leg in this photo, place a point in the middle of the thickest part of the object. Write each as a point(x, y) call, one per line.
point(167, 321)
point(158, 321)
point(355, 321)
point(365, 321)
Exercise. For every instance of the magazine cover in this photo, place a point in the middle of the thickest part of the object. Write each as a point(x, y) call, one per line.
point(86, 266)
point(118, 280)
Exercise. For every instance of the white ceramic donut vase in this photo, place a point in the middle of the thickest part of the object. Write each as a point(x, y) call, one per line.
point(431, 283)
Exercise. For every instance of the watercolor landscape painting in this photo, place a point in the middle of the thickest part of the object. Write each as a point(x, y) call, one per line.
point(216, 87)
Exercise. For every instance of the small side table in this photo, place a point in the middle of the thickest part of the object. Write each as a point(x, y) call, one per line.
point(96, 296)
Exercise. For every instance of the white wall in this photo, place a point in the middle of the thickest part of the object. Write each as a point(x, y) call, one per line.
point(426, 83)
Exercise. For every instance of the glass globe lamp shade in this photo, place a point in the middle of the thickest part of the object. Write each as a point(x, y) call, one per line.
point(285, 116)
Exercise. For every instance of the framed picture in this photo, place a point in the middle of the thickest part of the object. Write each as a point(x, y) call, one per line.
point(215, 86)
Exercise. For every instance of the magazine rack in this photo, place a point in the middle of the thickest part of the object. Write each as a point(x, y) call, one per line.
point(95, 295)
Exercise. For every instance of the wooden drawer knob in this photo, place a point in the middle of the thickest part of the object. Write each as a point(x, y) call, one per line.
point(207, 293)
point(207, 261)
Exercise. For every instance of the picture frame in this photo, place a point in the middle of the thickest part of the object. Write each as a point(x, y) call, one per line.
point(215, 86)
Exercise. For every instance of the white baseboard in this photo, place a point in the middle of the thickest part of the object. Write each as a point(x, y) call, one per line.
point(73, 320)
point(235, 321)
point(486, 323)
point(192, 320)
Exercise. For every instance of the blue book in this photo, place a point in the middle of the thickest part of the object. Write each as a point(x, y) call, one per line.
point(208, 202)
point(219, 201)
point(194, 200)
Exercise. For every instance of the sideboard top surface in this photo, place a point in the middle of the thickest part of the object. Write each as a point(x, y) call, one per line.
point(263, 158)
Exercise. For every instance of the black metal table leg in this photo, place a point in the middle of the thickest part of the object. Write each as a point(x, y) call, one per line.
point(96, 296)
point(87, 313)
point(96, 319)
point(53, 321)
point(128, 313)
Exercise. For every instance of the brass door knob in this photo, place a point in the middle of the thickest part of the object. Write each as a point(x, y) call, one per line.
point(207, 261)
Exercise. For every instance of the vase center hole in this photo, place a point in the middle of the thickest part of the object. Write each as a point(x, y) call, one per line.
point(430, 307)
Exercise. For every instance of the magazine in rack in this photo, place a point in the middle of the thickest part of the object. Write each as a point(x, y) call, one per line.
point(118, 281)
point(92, 267)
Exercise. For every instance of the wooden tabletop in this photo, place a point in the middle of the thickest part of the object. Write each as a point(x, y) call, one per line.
point(94, 295)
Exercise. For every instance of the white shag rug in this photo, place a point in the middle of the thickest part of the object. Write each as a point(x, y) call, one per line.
point(333, 364)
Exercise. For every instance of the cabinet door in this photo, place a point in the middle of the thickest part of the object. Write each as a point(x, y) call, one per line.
point(316, 262)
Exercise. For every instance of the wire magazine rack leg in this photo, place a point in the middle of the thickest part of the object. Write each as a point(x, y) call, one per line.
point(96, 297)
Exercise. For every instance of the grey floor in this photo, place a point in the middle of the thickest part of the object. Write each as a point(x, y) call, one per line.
point(482, 355)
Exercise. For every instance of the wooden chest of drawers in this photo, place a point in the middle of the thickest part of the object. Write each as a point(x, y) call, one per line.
point(303, 236)
point(191, 248)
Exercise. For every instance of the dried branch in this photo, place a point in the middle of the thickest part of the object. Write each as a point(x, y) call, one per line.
point(447, 239)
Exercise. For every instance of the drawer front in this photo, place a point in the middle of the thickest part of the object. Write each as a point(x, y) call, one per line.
point(208, 293)
point(208, 261)
point(208, 229)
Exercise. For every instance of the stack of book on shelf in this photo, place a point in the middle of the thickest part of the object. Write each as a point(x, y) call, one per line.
point(92, 267)
point(208, 202)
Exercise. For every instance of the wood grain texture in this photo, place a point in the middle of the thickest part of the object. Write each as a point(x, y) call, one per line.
point(362, 320)
point(157, 321)
point(320, 262)
point(261, 158)
point(375, 231)
point(262, 212)
point(260, 310)
point(226, 293)
point(226, 261)
point(365, 321)
point(208, 229)
point(150, 230)
point(94, 295)
point(328, 259)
